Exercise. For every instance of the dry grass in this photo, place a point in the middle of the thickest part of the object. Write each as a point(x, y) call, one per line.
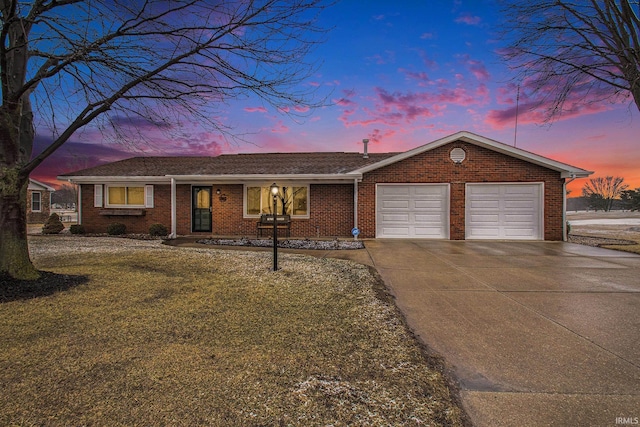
point(191, 337)
point(622, 231)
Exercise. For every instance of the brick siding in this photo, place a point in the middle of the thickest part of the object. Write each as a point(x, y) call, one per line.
point(480, 165)
point(45, 207)
point(331, 205)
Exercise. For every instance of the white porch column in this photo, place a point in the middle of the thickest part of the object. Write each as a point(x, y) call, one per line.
point(174, 220)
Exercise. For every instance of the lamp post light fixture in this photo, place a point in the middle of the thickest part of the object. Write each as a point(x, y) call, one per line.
point(274, 191)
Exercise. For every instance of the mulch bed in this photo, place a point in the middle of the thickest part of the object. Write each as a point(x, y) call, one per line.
point(288, 243)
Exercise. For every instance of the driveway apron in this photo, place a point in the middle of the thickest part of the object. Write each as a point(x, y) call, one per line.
point(536, 333)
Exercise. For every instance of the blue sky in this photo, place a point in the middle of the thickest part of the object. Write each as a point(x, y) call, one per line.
point(401, 74)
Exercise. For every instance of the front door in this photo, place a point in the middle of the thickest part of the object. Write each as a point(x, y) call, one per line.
point(201, 203)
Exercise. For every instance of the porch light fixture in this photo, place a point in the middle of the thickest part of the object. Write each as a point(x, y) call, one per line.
point(274, 191)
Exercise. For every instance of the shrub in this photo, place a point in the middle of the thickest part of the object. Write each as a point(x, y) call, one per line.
point(76, 229)
point(53, 225)
point(158, 230)
point(116, 229)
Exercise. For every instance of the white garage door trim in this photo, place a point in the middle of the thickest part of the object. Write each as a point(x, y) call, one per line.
point(419, 211)
point(504, 211)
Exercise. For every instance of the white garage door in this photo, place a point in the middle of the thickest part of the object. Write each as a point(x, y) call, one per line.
point(504, 211)
point(412, 210)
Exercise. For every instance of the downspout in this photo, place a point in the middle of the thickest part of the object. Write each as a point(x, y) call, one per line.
point(174, 223)
point(79, 204)
point(564, 207)
point(355, 203)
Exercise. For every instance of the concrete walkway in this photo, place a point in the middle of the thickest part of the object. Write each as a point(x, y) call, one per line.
point(537, 334)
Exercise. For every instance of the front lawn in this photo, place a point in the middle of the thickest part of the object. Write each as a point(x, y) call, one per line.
point(159, 335)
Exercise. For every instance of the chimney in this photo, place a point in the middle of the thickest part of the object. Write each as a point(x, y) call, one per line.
point(366, 151)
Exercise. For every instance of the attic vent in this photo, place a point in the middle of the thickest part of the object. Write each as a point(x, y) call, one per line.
point(457, 155)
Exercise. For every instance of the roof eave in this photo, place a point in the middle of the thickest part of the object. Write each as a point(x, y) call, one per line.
point(482, 141)
point(346, 177)
point(42, 185)
point(101, 179)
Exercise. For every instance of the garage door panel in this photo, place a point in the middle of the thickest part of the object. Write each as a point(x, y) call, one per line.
point(504, 211)
point(520, 204)
point(428, 204)
point(412, 210)
point(485, 218)
point(395, 218)
point(520, 233)
point(525, 219)
point(487, 204)
point(428, 232)
point(394, 190)
point(435, 219)
point(396, 204)
point(396, 231)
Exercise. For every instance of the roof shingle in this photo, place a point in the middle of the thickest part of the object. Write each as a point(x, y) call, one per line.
point(237, 164)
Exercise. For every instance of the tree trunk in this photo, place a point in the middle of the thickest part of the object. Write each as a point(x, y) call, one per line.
point(14, 252)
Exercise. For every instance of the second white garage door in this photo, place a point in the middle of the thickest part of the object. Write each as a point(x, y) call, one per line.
point(504, 211)
point(412, 211)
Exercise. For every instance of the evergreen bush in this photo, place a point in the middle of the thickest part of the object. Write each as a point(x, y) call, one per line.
point(53, 225)
point(76, 229)
point(116, 229)
point(158, 230)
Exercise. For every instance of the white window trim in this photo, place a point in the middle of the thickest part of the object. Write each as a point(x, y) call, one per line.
point(285, 184)
point(32, 194)
point(109, 205)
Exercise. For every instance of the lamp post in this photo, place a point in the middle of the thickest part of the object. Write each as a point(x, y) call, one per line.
point(274, 191)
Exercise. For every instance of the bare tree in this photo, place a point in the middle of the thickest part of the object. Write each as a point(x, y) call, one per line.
point(601, 192)
point(571, 53)
point(69, 63)
point(66, 196)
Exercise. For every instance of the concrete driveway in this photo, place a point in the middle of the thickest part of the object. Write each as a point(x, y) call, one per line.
point(537, 334)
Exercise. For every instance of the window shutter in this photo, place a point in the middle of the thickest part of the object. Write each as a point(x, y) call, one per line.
point(148, 196)
point(97, 196)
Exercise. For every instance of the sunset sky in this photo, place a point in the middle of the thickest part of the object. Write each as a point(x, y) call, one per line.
point(401, 74)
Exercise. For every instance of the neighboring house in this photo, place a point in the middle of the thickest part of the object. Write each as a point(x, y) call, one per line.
point(463, 186)
point(38, 202)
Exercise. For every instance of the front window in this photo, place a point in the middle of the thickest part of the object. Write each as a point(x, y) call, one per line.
point(36, 201)
point(125, 196)
point(295, 200)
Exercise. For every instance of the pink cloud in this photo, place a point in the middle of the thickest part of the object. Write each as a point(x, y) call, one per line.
point(419, 76)
point(280, 127)
point(388, 57)
point(255, 109)
point(426, 36)
point(301, 108)
point(533, 113)
point(377, 136)
point(534, 102)
point(396, 108)
point(468, 19)
point(476, 67)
